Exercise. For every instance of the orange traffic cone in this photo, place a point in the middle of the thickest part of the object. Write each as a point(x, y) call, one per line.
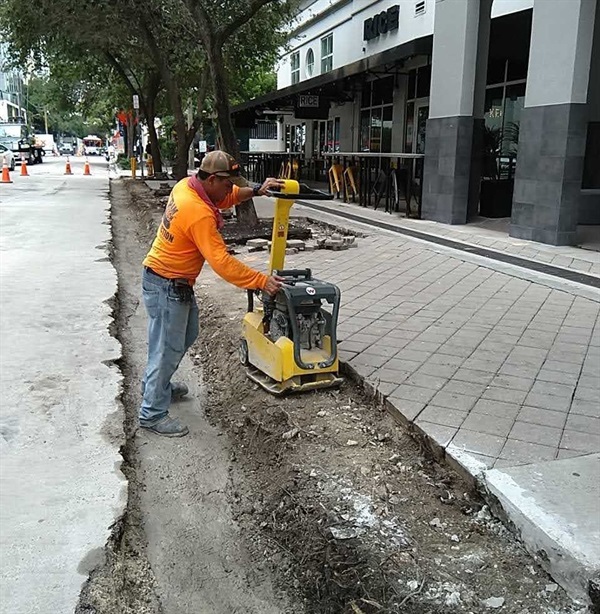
point(68, 167)
point(5, 173)
point(86, 168)
point(24, 172)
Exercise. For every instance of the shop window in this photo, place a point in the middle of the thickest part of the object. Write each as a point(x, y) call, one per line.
point(423, 81)
point(516, 69)
point(417, 109)
point(419, 82)
point(295, 64)
point(377, 115)
point(327, 53)
point(503, 106)
point(386, 129)
point(496, 71)
point(412, 84)
point(310, 62)
point(409, 127)
point(502, 70)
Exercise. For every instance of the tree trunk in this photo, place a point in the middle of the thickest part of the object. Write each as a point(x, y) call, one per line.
point(246, 212)
point(149, 99)
point(180, 164)
point(154, 147)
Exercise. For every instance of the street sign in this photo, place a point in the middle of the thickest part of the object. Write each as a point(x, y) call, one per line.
point(136, 102)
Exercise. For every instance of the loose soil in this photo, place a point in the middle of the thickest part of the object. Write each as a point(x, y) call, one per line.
point(345, 509)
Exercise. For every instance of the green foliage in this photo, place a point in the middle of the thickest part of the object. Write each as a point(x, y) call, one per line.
point(123, 162)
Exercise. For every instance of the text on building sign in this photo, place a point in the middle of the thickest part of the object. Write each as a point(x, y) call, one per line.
point(385, 21)
point(308, 101)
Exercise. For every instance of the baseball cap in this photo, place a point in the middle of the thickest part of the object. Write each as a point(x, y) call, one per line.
point(222, 164)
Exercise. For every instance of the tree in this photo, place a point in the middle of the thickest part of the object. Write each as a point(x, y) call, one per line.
point(224, 28)
point(171, 44)
point(82, 34)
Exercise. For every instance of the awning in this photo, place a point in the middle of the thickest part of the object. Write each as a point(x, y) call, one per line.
point(333, 83)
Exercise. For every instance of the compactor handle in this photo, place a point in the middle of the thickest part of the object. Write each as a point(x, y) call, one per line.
point(297, 273)
point(305, 192)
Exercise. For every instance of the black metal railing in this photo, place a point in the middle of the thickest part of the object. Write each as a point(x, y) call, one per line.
point(392, 181)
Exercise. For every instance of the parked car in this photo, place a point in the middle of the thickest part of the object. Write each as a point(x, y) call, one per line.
point(8, 155)
point(65, 149)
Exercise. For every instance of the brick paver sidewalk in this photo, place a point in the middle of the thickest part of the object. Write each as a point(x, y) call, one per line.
point(504, 367)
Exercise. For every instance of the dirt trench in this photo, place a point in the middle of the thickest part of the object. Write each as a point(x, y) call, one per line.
point(336, 508)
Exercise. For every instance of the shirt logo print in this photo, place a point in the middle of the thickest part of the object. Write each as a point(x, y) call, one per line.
point(170, 212)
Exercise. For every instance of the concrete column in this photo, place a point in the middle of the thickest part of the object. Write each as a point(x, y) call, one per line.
point(554, 122)
point(457, 37)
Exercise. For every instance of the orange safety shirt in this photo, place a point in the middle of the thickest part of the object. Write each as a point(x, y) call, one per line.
point(188, 236)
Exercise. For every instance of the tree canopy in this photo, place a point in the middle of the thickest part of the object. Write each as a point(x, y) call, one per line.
point(186, 58)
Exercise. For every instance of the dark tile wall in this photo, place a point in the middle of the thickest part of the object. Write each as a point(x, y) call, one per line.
point(446, 169)
point(548, 176)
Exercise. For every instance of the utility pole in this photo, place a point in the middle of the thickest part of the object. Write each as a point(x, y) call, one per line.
point(46, 120)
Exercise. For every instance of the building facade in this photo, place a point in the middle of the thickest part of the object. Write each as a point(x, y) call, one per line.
point(501, 96)
point(11, 89)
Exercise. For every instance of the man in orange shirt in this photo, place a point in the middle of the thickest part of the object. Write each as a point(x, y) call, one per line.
point(187, 237)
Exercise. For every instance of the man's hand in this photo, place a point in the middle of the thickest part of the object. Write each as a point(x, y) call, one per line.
point(270, 185)
point(274, 283)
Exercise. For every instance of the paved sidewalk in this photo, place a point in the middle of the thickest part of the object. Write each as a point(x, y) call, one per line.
point(490, 234)
point(495, 366)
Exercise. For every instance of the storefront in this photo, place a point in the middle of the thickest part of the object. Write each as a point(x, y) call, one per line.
point(394, 77)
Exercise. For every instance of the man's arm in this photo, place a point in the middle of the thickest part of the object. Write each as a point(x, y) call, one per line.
point(260, 189)
point(240, 195)
point(211, 245)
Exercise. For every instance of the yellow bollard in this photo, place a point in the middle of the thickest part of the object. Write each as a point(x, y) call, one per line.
point(133, 163)
point(150, 166)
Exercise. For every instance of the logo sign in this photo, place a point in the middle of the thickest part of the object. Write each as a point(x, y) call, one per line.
point(136, 102)
point(384, 22)
point(308, 101)
point(311, 291)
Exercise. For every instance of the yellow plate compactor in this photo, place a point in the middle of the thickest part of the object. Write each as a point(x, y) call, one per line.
point(289, 342)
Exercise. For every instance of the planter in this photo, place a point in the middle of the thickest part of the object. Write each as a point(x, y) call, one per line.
point(495, 198)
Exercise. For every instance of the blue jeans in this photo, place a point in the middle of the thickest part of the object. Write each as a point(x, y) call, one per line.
point(172, 328)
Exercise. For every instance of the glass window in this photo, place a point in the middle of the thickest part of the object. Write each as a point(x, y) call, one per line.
point(383, 91)
point(408, 137)
point(496, 71)
point(423, 81)
point(336, 134)
point(365, 125)
point(513, 105)
point(295, 63)
point(517, 69)
point(310, 62)
point(494, 107)
point(412, 84)
point(327, 53)
point(422, 115)
point(375, 144)
point(366, 96)
point(386, 130)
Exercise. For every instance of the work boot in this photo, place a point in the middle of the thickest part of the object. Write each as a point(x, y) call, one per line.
point(178, 390)
point(168, 427)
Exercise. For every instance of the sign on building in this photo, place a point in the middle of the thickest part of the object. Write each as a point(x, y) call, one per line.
point(308, 101)
point(311, 106)
point(384, 22)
